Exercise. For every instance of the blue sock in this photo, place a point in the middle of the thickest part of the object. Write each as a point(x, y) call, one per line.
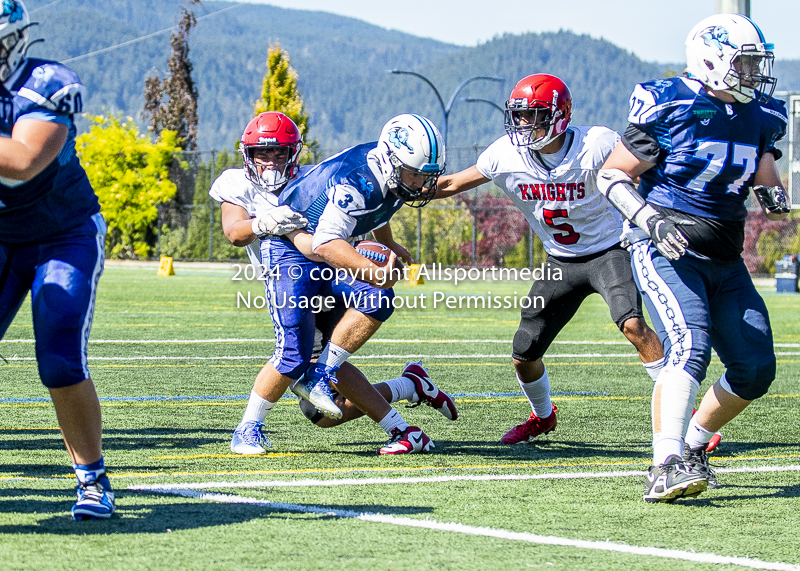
point(90, 472)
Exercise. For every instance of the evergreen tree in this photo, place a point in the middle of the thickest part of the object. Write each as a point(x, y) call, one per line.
point(279, 93)
point(172, 103)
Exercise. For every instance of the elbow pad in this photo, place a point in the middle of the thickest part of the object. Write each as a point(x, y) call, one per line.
point(618, 188)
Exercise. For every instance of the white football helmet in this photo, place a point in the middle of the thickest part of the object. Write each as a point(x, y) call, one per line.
point(411, 144)
point(727, 52)
point(14, 24)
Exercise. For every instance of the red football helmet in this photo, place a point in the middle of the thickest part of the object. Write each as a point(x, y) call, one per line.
point(271, 130)
point(550, 101)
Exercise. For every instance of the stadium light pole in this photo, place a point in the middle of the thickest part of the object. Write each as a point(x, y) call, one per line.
point(492, 103)
point(446, 108)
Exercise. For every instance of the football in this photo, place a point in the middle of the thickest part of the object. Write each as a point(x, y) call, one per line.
point(375, 252)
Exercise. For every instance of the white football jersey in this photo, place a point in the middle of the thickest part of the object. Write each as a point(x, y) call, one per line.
point(563, 206)
point(232, 186)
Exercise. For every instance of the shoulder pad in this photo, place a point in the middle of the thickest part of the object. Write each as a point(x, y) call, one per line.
point(53, 86)
point(650, 98)
point(347, 198)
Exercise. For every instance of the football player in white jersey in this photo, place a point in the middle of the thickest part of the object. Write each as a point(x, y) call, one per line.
point(271, 144)
point(549, 169)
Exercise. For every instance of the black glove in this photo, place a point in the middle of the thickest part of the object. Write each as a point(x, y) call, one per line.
point(772, 199)
point(666, 235)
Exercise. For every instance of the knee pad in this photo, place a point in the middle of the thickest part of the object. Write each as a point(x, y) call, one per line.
point(56, 371)
point(751, 382)
point(525, 342)
point(380, 306)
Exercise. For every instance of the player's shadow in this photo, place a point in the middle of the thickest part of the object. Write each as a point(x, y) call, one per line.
point(56, 470)
point(121, 439)
point(720, 497)
point(160, 516)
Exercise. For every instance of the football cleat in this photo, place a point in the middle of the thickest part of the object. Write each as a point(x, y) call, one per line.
point(409, 441)
point(95, 500)
point(428, 393)
point(248, 439)
point(715, 440)
point(315, 388)
point(674, 479)
point(530, 429)
point(698, 459)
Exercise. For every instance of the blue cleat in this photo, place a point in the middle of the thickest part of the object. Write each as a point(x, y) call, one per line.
point(248, 439)
point(315, 388)
point(95, 500)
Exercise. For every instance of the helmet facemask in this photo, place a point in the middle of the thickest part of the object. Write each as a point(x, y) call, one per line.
point(13, 49)
point(273, 177)
point(543, 116)
point(750, 75)
point(416, 187)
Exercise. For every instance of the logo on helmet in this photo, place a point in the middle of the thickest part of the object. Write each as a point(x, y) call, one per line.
point(716, 37)
point(399, 137)
point(11, 9)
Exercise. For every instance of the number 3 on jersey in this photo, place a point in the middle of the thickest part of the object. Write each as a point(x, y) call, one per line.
point(570, 237)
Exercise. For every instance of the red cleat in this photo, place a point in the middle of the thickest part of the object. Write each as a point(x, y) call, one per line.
point(530, 429)
point(429, 393)
point(409, 441)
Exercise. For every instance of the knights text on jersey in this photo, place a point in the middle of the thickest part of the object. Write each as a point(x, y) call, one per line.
point(343, 196)
point(563, 205)
point(710, 149)
point(60, 197)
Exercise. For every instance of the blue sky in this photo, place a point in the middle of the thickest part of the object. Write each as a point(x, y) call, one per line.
point(652, 29)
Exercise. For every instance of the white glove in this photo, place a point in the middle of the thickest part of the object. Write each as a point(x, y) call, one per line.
point(277, 222)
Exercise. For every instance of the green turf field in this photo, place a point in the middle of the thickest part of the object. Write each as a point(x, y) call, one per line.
point(173, 360)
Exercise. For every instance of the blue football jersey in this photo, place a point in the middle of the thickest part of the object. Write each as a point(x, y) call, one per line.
point(60, 197)
point(710, 149)
point(347, 183)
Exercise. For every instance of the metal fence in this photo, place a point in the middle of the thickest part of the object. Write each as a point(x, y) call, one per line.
point(479, 228)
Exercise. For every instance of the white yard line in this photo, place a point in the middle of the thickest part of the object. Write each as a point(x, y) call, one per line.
point(486, 531)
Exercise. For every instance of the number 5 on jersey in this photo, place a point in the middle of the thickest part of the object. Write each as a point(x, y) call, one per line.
point(570, 237)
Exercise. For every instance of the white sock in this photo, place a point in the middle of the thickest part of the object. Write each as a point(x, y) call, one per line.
point(402, 388)
point(391, 421)
point(257, 408)
point(653, 368)
point(697, 436)
point(333, 356)
point(538, 393)
point(674, 395)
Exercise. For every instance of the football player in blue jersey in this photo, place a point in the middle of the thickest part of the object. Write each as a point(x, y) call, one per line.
point(349, 194)
point(52, 243)
point(699, 144)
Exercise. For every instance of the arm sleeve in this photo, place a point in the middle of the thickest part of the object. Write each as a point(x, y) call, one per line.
point(641, 145)
point(337, 220)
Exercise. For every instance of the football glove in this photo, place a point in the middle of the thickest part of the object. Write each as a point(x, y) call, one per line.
point(666, 235)
point(632, 234)
point(277, 222)
point(772, 199)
